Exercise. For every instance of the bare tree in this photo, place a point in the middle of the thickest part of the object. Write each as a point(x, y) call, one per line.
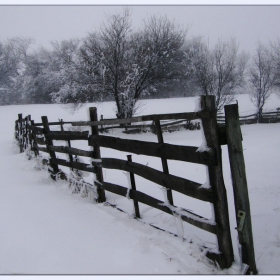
point(40, 77)
point(218, 71)
point(77, 77)
point(275, 48)
point(125, 65)
point(262, 76)
point(98, 68)
point(158, 55)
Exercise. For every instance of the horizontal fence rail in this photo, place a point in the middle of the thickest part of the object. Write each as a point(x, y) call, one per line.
point(185, 215)
point(189, 116)
point(181, 185)
point(167, 151)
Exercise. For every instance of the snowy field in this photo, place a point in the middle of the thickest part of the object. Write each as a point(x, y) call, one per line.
point(45, 229)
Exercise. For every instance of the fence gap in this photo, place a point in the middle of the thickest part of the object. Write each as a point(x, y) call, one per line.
point(68, 142)
point(210, 129)
point(133, 187)
point(240, 189)
point(49, 142)
point(97, 155)
point(158, 132)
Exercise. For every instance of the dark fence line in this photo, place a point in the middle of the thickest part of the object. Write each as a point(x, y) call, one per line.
point(38, 137)
point(267, 117)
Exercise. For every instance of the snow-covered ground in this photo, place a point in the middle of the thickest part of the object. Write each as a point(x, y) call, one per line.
point(45, 229)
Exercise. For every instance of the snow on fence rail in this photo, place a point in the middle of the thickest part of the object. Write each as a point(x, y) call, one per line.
point(38, 137)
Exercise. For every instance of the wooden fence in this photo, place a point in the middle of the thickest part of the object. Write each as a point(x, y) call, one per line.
point(38, 137)
point(267, 117)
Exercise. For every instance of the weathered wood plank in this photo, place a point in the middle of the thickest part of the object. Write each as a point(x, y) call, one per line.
point(271, 113)
point(140, 126)
point(173, 182)
point(71, 151)
point(68, 142)
point(161, 150)
point(189, 116)
point(133, 187)
point(67, 135)
point(186, 216)
point(52, 123)
point(49, 142)
point(248, 116)
point(240, 189)
point(97, 155)
point(222, 135)
point(216, 179)
point(76, 165)
point(20, 132)
point(36, 151)
point(163, 160)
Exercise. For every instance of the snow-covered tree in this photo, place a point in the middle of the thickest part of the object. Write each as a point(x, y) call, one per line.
point(275, 48)
point(262, 76)
point(38, 83)
point(157, 56)
point(13, 53)
point(77, 80)
point(124, 65)
point(219, 71)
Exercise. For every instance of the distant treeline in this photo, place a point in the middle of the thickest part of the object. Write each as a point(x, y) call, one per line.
point(119, 64)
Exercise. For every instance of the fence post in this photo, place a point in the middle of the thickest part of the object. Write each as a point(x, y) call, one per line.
point(34, 147)
point(216, 179)
point(27, 131)
point(49, 142)
point(24, 134)
point(67, 141)
point(133, 187)
point(240, 189)
point(163, 160)
point(101, 118)
point(20, 134)
point(97, 155)
point(17, 126)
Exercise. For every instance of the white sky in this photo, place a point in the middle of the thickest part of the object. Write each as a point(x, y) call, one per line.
point(46, 23)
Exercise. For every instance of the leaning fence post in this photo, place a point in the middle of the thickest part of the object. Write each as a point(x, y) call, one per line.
point(210, 128)
point(240, 189)
point(163, 160)
point(49, 142)
point(133, 187)
point(97, 155)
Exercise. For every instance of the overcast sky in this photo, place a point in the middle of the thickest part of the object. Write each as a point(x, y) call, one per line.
point(247, 24)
